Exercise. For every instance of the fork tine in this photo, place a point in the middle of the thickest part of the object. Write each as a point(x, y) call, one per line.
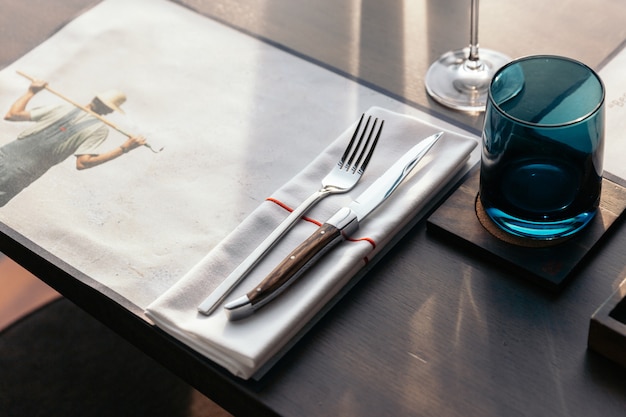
point(358, 144)
point(371, 151)
point(365, 146)
point(349, 147)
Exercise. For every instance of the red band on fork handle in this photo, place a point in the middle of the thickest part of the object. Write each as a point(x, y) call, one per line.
point(318, 223)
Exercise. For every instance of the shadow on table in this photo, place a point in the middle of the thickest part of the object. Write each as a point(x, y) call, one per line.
point(60, 361)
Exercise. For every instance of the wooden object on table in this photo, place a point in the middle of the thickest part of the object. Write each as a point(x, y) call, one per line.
point(547, 265)
point(607, 329)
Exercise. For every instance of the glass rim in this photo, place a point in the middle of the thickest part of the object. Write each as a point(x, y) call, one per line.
point(544, 125)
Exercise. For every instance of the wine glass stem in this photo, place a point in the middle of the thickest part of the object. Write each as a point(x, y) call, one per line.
point(473, 47)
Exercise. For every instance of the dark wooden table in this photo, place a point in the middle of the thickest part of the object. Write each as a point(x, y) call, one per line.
point(432, 329)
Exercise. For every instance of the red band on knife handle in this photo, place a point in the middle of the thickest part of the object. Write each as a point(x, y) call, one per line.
point(314, 245)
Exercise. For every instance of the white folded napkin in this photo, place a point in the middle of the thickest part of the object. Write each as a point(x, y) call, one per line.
point(244, 347)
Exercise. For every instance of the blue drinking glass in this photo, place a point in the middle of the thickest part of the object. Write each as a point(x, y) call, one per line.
point(543, 147)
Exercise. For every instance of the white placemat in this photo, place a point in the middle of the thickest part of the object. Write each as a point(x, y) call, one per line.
point(237, 118)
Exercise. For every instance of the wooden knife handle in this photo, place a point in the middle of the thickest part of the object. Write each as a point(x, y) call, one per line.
point(324, 238)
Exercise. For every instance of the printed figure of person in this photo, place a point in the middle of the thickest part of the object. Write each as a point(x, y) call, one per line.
point(60, 131)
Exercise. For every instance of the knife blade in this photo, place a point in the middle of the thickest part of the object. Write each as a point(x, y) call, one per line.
point(337, 228)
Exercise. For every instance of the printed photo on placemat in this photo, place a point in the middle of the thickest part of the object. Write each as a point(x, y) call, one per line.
point(141, 134)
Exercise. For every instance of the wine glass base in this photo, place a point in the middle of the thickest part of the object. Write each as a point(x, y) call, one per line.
point(460, 84)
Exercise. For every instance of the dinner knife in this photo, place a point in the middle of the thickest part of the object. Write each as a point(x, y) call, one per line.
point(337, 228)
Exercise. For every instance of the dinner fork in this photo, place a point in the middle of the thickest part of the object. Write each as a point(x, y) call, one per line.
point(342, 178)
